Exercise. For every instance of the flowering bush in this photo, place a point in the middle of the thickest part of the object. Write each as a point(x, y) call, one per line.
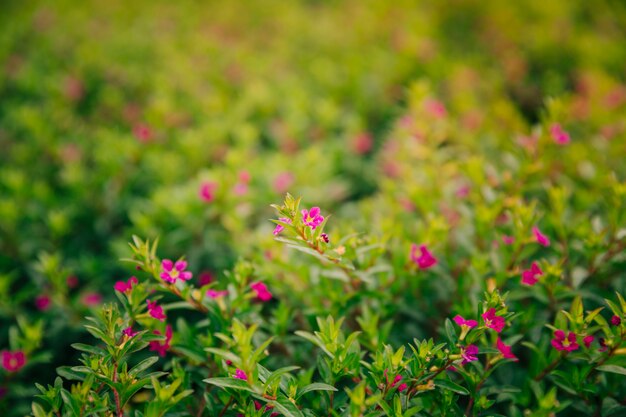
point(459, 248)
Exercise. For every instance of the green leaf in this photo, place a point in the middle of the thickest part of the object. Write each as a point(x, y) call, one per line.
point(89, 349)
point(286, 407)
point(613, 369)
point(143, 365)
point(234, 383)
point(316, 386)
point(451, 386)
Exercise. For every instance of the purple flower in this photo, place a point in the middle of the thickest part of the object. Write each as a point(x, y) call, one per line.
point(469, 353)
point(424, 259)
point(312, 218)
point(129, 332)
point(262, 293)
point(279, 227)
point(559, 135)
point(156, 346)
point(529, 276)
point(540, 237)
point(492, 321)
point(505, 350)
point(173, 271)
point(239, 374)
point(124, 286)
point(560, 342)
point(13, 361)
point(616, 320)
point(155, 310)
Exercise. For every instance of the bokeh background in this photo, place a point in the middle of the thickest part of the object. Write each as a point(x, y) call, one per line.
point(114, 115)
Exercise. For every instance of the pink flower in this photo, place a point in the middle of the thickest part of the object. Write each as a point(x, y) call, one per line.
point(312, 218)
point(91, 299)
point(142, 132)
point(463, 191)
point(362, 143)
point(279, 227)
point(239, 374)
point(587, 341)
point(262, 293)
point(402, 387)
point(173, 271)
point(216, 294)
point(244, 177)
point(616, 320)
point(207, 191)
point(205, 278)
point(240, 189)
point(508, 240)
point(462, 322)
point(492, 321)
point(529, 276)
point(425, 259)
point(156, 346)
point(560, 342)
point(42, 302)
point(559, 135)
point(505, 350)
point(123, 286)
point(325, 237)
point(282, 182)
point(469, 353)
point(155, 310)
point(435, 108)
point(129, 332)
point(72, 281)
point(540, 237)
point(13, 361)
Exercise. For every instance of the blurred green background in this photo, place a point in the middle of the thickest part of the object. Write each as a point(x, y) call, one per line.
point(113, 114)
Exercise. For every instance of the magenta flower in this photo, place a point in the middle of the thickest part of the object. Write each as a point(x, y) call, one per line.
point(435, 108)
point(616, 320)
point(540, 237)
point(282, 182)
point(155, 310)
point(492, 321)
point(72, 281)
point(124, 286)
point(262, 293)
point(162, 348)
point(129, 332)
point(505, 350)
point(205, 278)
point(216, 294)
point(362, 143)
point(207, 191)
point(279, 227)
point(239, 374)
point(402, 387)
point(91, 299)
point(312, 218)
point(559, 135)
point(560, 342)
point(462, 322)
point(173, 271)
point(425, 259)
point(143, 132)
point(468, 353)
point(42, 302)
point(13, 361)
point(325, 237)
point(529, 276)
point(508, 240)
point(588, 340)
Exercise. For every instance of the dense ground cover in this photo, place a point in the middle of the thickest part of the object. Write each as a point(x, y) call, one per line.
point(462, 169)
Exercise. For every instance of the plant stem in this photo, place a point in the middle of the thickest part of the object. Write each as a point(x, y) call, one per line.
point(549, 368)
point(118, 407)
point(230, 401)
